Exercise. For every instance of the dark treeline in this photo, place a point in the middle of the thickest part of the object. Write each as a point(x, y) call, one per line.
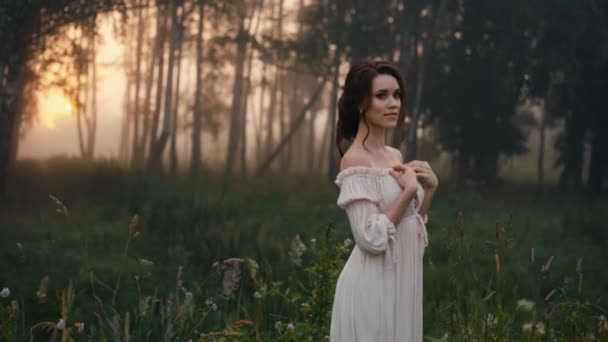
point(470, 66)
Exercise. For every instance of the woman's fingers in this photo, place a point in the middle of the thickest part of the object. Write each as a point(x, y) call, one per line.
point(423, 175)
point(400, 167)
point(420, 164)
point(420, 169)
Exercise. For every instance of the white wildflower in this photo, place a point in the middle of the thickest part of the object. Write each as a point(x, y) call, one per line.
point(231, 280)
point(144, 305)
point(540, 328)
point(278, 326)
point(300, 245)
point(61, 208)
point(525, 304)
point(602, 324)
point(189, 297)
point(491, 320)
point(537, 328)
point(79, 326)
point(313, 241)
point(296, 251)
point(290, 326)
point(253, 268)
point(347, 243)
point(214, 307)
point(5, 292)
point(60, 324)
point(257, 295)
point(145, 262)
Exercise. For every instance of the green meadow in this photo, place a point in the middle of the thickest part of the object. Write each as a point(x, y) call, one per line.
point(96, 253)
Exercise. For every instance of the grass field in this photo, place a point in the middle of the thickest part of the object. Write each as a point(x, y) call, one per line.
point(91, 252)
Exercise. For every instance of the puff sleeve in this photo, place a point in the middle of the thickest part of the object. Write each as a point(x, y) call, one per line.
point(360, 197)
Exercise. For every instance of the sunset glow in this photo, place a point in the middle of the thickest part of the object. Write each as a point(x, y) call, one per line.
point(52, 106)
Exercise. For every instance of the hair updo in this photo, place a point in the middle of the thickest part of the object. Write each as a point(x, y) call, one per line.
point(355, 97)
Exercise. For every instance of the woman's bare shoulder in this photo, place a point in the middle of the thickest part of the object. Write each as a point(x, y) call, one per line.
point(354, 157)
point(396, 152)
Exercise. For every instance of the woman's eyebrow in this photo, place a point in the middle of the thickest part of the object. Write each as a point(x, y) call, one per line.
point(386, 90)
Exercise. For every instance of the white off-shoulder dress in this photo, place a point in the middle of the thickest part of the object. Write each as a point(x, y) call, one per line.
point(378, 295)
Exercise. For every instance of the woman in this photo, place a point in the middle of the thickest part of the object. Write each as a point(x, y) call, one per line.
point(379, 292)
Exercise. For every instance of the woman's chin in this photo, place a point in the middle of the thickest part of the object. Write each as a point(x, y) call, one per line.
point(388, 124)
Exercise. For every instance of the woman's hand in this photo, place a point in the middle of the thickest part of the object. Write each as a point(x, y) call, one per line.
point(425, 174)
point(405, 176)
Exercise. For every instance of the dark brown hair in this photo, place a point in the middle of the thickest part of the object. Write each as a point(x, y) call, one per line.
point(356, 96)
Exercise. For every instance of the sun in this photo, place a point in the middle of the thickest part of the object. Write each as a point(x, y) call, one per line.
point(52, 106)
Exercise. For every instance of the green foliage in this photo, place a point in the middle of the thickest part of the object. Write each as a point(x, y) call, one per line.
point(257, 262)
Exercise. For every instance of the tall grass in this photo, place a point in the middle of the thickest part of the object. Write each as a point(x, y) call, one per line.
point(139, 258)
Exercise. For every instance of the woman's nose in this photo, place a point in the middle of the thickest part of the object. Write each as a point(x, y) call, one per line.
point(393, 103)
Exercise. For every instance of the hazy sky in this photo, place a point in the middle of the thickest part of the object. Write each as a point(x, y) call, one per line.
point(54, 131)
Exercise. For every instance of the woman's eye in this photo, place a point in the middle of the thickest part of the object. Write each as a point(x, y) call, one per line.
point(381, 96)
point(397, 95)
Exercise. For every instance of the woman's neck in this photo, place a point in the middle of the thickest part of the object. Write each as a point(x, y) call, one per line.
point(374, 141)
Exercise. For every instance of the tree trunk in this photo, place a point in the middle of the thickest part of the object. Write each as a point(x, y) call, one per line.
point(26, 88)
point(326, 142)
point(81, 106)
point(146, 112)
point(410, 151)
point(136, 155)
point(173, 150)
point(247, 85)
point(284, 158)
point(572, 156)
point(13, 76)
point(272, 108)
point(412, 138)
point(294, 127)
point(145, 136)
point(358, 50)
point(260, 122)
point(598, 166)
point(7, 117)
point(311, 150)
point(332, 164)
point(197, 113)
point(123, 153)
point(156, 154)
point(294, 149)
point(92, 132)
point(548, 108)
point(125, 128)
point(163, 17)
point(272, 105)
point(541, 151)
point(236, 117)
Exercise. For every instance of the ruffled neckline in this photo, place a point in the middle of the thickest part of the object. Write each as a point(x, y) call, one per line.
point(361, 170)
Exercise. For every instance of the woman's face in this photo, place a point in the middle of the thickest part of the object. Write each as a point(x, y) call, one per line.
point(385, 102)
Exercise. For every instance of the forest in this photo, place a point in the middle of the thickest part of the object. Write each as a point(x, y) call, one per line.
point(167, 167)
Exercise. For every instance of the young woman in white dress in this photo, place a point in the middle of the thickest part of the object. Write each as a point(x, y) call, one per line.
point(378, 295)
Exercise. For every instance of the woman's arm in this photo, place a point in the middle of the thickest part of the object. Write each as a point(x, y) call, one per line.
point(429, 181)
point(396, 211)
point(426, 203)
